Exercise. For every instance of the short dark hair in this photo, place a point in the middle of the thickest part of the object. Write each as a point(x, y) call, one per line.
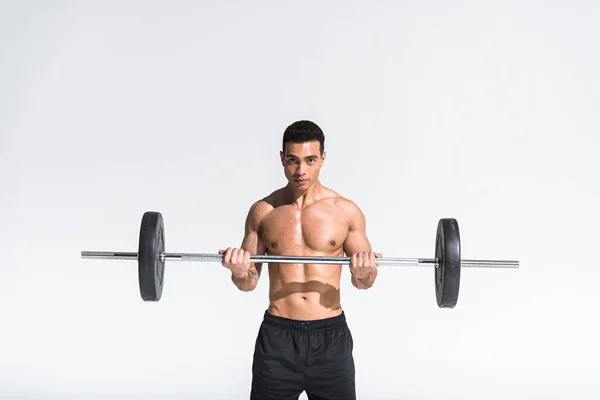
point(304, 131)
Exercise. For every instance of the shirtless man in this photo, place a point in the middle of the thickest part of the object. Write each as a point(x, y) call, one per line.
point(303, 343)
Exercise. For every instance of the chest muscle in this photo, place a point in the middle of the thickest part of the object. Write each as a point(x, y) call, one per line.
point(304, 232)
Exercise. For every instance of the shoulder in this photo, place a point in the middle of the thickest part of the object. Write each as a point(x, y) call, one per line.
point(351, 211)
point(342, 203)
point(348, 207)
point(260, 209)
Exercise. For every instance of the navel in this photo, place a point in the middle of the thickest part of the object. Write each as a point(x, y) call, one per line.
point(332, 242)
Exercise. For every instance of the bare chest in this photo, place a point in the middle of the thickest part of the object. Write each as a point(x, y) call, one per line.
point(288, 230)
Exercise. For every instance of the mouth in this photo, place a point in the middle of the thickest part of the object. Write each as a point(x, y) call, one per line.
point(301, 181)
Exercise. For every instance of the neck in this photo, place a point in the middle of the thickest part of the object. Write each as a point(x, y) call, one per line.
point(303, 197)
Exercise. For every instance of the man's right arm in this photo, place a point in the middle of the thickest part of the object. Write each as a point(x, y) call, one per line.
point(254, 244)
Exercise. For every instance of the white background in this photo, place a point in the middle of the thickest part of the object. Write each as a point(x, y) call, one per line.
point(483, 111)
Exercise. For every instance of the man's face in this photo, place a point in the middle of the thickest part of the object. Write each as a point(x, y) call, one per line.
point(302, 163)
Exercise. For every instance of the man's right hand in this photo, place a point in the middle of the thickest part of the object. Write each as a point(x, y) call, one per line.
point(236, 260)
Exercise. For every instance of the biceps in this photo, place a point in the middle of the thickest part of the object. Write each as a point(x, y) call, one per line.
point(255, 245)
point(356, 242)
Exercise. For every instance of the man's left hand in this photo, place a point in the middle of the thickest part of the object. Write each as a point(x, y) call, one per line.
point(363, 264)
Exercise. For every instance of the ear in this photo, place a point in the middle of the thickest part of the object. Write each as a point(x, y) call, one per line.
point(323, 157)
point(281, 156)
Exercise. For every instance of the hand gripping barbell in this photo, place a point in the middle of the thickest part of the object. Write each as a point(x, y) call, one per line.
point(151, 259)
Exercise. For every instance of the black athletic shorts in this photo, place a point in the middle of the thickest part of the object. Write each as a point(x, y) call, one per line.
point(293, 356)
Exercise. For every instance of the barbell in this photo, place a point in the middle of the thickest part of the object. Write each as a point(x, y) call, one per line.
point(151, 258)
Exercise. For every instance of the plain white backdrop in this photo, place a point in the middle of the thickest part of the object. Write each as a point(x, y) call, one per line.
point(483, 111)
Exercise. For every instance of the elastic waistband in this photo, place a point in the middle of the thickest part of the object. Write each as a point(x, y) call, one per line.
point(304, 325)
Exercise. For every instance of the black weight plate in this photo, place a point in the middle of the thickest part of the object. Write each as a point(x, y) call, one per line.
point(447, 252)
point(151, 269)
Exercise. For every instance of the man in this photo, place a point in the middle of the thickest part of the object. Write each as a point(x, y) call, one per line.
point(303, 343)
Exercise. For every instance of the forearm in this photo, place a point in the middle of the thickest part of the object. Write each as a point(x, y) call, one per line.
point(364, 283)
point(246, 282)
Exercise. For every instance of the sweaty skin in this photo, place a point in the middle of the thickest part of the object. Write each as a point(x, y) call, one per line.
point(305, 219)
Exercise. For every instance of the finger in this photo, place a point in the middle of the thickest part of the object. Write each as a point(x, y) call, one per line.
point(227, 256)
point(241, 255)
point(355, 260)
point(372, 260)
point(360, 260)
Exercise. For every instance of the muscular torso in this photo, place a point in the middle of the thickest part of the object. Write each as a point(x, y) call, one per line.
point(305, 291)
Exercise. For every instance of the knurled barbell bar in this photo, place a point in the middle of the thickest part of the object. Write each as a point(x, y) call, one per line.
point(151, 259)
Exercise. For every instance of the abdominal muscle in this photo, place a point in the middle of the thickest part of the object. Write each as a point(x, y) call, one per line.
point(304, 291)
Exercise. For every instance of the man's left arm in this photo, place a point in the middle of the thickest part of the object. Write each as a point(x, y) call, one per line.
point(363, 267)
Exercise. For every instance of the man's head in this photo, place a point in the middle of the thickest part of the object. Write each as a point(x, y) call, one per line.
point(303, 153)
